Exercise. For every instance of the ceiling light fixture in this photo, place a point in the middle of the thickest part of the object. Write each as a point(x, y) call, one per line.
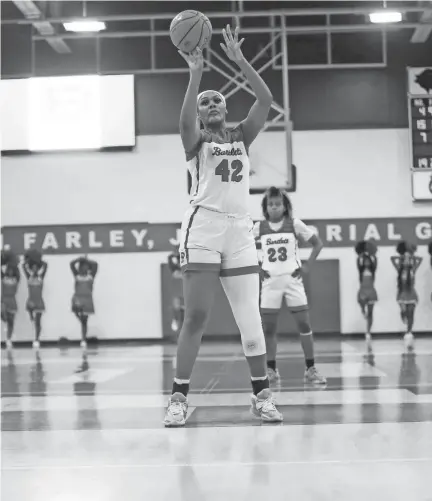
point(84, 26)
point(385, 16)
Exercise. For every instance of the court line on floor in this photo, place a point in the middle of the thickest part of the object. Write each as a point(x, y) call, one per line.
point(206, 387)
point(213, 385)
point(217, 358)
point(110, 403)
point(221, 358)
point(245, 390)
point(225, 464)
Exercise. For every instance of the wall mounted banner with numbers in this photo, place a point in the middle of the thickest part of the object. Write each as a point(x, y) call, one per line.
point(147, 237)
point(420, 117)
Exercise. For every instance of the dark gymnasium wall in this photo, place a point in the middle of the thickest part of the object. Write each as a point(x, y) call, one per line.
point(320, 99)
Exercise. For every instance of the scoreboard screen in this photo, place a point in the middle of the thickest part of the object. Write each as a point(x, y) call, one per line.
point(421, 132)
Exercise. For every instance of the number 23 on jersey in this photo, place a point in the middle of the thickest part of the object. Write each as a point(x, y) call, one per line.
point(230, 170)
point(279, 254)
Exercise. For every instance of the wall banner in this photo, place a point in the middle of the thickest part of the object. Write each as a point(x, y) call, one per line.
point(162, 237)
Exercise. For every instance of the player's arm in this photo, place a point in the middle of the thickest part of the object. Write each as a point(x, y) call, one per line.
point(74, 266)
point(430, 252)
point(258, 114)
point(317, 246)
point(256, 234)
point(43, 269)
point(189, 125)
point(258, 245)
point(17, 274)
point(417, 262)
point(395, 260)
point(26, 269)
point(360, 267)
point(93, 268)
point(306, 234)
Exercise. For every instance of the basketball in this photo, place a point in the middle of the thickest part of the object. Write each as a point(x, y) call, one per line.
point(190, 29)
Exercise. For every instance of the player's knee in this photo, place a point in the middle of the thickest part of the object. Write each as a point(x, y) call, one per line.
point(253, 343)
point(195, 320)
point(269, 321)
point(303, 322)
point(304, 327)
point(251, 331)
point(410, 309)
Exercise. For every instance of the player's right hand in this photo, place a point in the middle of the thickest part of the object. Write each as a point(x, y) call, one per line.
point(264, 274)
point(195, 59)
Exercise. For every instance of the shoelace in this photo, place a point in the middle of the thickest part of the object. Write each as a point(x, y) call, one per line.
point(268, 405)
point(314, 372)
point(176, 407)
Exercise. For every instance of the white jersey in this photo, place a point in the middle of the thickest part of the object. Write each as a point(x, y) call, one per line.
point(279, 244)
point(220, 173)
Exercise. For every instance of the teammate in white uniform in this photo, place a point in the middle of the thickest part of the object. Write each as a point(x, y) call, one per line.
point(217, 241)
point(277, 237)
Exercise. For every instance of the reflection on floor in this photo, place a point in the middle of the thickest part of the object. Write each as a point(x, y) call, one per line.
point(87, 425)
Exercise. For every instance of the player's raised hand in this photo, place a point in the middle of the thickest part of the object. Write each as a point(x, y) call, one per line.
point(232, 46)
point(195, 59)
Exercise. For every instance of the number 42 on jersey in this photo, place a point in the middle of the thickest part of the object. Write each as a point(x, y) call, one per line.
point(230, 170)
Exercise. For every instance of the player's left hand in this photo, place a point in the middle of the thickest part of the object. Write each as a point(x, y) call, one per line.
point(232, 45)
point(304, 270)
